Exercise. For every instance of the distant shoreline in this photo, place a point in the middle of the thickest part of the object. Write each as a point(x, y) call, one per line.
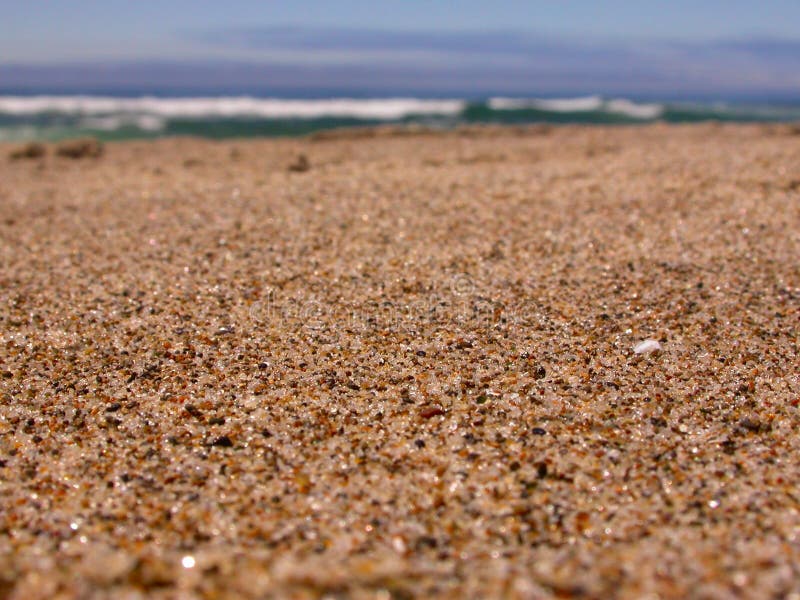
point(376, 132)
point(55, 117)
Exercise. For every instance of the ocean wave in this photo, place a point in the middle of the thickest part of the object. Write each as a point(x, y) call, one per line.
point(117, 122)
point(56, 117)
point(230, 107)
point(559, 105)
point(582, 104)
point(634, 110)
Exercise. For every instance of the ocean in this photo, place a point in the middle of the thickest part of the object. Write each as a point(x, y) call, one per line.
point(115, 117)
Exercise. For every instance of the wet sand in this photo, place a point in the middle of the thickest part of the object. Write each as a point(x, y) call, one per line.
point(404, 367)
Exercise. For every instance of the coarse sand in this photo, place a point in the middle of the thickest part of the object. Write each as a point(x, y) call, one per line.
point(522, 363)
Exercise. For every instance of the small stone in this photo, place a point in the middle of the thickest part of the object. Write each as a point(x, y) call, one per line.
point(194, 411)
point(28, 151)
point(752, 425)
point(431, 411)
point(300, 165)
point(303, 482)
point(150, 572)
point(538, 431)
point(80, 148)
point(222, 441)
point(646, 347)
point(582, 522)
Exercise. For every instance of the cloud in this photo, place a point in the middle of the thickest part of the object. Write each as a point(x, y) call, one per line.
point(495, 43)
point(765, 47)
point(454, 46)
point(287, 60)
point(508, 43)
point(626, 64)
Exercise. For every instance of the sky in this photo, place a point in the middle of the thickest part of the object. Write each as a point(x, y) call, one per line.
point(517, 47)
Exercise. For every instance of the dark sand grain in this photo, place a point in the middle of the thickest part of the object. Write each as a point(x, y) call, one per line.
point(406, 372)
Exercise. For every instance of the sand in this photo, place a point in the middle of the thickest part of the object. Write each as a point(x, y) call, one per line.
point(404, 367)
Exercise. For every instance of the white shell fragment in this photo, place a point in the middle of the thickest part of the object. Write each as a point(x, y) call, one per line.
point(647, 346)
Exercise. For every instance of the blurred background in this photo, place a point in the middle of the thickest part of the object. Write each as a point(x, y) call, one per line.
point(119, 69)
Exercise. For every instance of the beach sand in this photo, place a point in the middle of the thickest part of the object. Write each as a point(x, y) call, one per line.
point(405, 367)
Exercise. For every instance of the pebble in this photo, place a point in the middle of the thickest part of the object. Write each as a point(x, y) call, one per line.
point(32, 150)
point(300, 165)
point(222, 441)
point(431, 411)
point(647, 346)
point(80, 148)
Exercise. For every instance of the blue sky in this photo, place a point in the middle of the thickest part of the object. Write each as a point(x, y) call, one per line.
point(510, 46)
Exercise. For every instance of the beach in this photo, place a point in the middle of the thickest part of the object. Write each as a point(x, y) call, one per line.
point(524, 362)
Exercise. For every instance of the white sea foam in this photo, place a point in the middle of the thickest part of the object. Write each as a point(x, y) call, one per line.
point(13, 134)
point(116, 122)
point(634, 110)
point(580, 104)
point(241, 106)
point(620, 106)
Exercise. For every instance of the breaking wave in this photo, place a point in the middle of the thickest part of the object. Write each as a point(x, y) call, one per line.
point(108, 117)
point(242, 106)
